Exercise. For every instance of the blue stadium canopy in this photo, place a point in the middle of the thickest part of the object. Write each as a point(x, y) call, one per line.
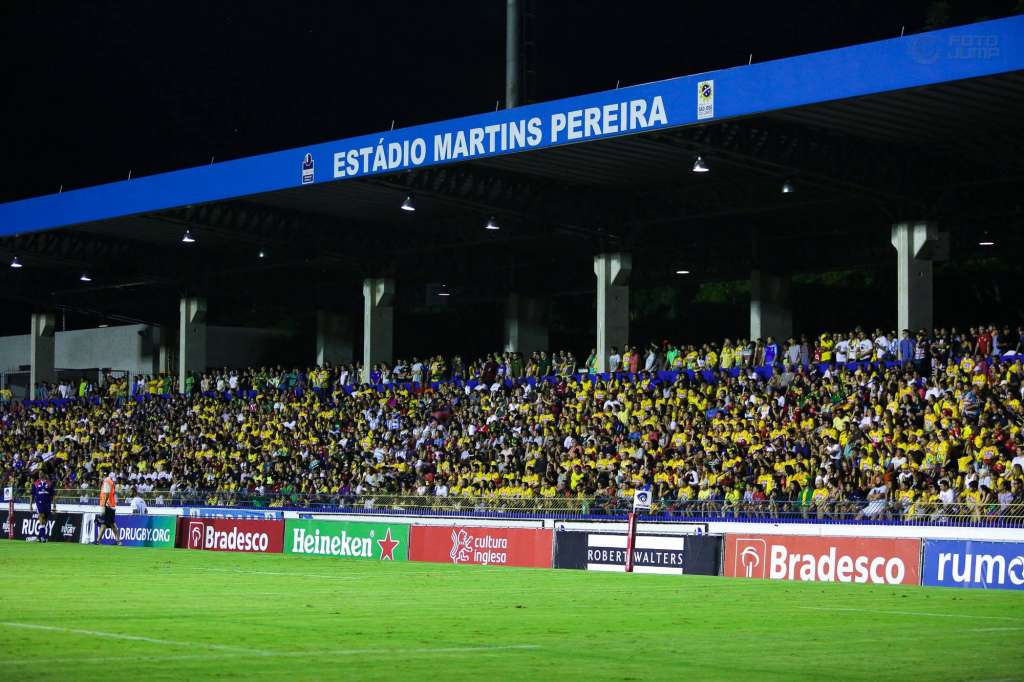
point(975, 71)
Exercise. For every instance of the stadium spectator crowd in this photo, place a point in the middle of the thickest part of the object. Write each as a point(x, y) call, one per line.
point(916, 426)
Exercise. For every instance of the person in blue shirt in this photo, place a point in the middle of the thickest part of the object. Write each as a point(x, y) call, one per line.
point(771, 352)
point(42, 498)
point(906, 347)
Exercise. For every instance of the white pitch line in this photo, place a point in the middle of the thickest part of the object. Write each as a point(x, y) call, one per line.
point(911, 613)
point(133, 638)
point(485, 649)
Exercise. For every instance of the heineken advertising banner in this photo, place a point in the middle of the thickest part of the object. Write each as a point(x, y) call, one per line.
point(141, 531)
point(347, 539)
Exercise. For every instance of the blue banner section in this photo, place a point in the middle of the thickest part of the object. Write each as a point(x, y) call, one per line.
point(232, 513)
point(971, 563)
point(141, 531)
point(971, 51)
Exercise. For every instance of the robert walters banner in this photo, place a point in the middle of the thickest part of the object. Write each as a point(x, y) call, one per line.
point(141, 531)
point(970, 563)
point(671, 554)
point(347, 539)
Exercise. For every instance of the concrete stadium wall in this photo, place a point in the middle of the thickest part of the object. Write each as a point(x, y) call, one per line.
point(135, 348)
point(128, 347)
point(249, 347)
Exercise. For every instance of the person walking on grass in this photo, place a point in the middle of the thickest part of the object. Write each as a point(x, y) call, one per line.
point(108, 507)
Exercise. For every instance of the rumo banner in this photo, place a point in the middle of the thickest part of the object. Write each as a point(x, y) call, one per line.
point(970, 563)
point(233, 535)
point(140, 531)
point(347, 539)
point(887, 561)
point(484, 546)
point(672, 554)
point(60, 527)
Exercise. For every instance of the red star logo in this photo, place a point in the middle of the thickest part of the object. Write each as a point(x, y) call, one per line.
point(387, 547)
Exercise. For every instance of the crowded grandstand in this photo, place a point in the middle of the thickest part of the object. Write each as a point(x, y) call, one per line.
point(916, 427)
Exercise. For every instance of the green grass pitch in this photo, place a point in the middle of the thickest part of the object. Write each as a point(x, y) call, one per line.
point(77, 612)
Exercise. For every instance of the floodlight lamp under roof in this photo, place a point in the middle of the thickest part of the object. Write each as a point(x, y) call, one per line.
point(408, 204)
point(699, 166)
point(187, 238)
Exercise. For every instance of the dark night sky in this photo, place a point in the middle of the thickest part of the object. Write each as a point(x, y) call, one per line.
point(95, 88)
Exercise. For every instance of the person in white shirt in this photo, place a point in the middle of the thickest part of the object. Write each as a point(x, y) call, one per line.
point(614, 360)
point(864, 347)
point(137, 504)
point(842, 351)
point(882, 346)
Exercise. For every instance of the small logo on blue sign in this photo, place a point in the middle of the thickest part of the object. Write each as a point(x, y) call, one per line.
point(307, 169)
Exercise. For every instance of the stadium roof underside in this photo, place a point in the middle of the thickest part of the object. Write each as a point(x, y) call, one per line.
point(923, 127)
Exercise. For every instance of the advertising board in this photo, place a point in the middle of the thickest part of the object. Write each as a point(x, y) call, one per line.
point(481, 545)
point(61, 526)
point(347, 539)
point(139, 530)
point(671, 554)
point(889, 561)
point(234, 535)
point(971, 563)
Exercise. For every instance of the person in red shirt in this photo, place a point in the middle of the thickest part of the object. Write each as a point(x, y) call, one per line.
point(983, 343)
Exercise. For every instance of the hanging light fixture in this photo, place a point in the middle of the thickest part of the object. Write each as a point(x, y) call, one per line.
point(187, 237)
point(682, 272)
point(986, 240)
point(408, 204)
point(787, 187)
point(492, 224)
point(699, 166)
point(85, 277)
point(262, 254)
point(15, 263)
point(444, 291)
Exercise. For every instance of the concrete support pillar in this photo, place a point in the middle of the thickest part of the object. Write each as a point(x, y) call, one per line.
point(526, 324)
point(771, 312)
point(378, 323)
point(191, 338)
point(917, 245)
point(42, 351)
point(333, 338)
point(613, 271)
point(165, 349)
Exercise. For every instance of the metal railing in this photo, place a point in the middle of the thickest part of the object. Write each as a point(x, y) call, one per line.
point(665, 509)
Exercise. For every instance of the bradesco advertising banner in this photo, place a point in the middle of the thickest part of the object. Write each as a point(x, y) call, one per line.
point(135, 530)
point(888, 561)
point(234, 535)
point(60, 527)
point(971, 563)
point(671, 554)
point(528, 547)
point(347, 539)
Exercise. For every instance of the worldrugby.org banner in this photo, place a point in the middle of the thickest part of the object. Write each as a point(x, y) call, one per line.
point(137, 530)
point(347, 539)
point(61, 526)
point(527, 547)
point(973, 563)
point(232, 535)
point(669, 554)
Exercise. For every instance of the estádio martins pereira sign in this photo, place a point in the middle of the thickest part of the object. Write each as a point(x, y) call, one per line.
point(506, 136)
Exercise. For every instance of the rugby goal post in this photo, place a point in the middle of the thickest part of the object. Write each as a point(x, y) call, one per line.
point(9, 496)
point(641, 502)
